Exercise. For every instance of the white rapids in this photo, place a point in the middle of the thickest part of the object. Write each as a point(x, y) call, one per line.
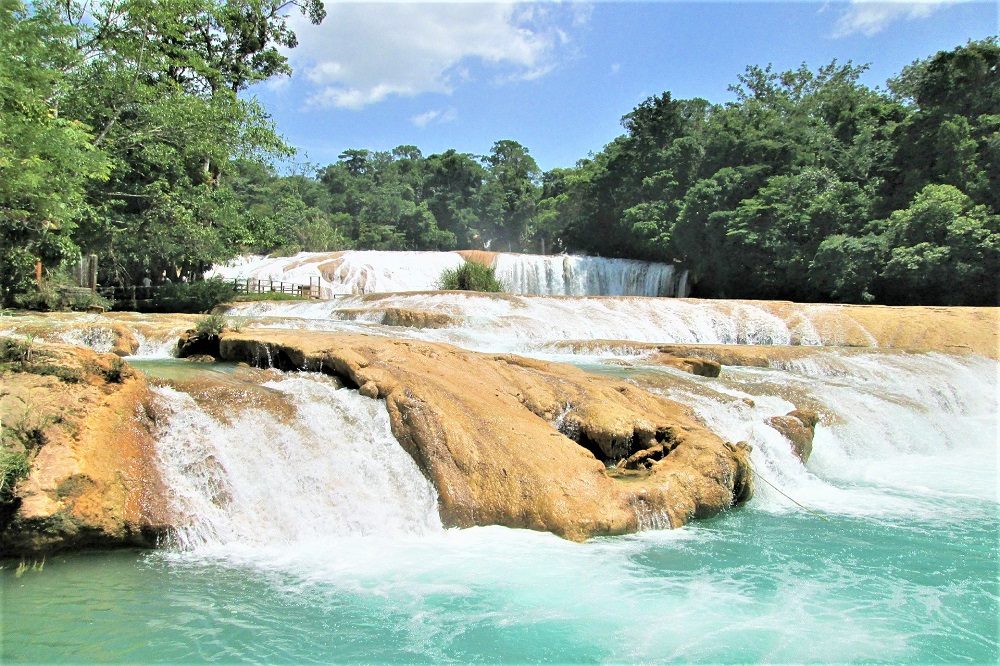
point(373, 271)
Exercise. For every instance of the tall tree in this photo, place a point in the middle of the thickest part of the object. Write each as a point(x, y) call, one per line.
point(510, 193)
point(46, 159)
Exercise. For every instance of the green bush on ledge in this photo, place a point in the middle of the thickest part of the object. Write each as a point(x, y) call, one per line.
point(470, 276)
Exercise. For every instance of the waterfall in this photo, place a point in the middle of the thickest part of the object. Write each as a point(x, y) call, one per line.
point(900, 434)
point(350, 272)
point(528, 323)
point(370, 271)
point(333, 470)
point(567, 275)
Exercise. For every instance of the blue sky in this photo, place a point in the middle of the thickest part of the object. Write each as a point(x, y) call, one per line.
point(558, 77)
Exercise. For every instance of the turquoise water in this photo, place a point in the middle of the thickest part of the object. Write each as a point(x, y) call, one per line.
point(317, 539)
point(747, 586)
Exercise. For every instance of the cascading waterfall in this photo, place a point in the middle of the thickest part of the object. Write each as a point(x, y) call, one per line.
point(372, 271)
point(527, 324)
point(901, 434)
point(309, 532)
point(565, 275)
point(334, 470)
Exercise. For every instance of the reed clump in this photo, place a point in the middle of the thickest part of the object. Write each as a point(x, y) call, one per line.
point(470, 276)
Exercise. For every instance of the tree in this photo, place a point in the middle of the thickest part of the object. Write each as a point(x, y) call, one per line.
point(46, 159)
point(944, 249)
point(952, 135)
point(778, 231)
point(452, 185)
point(510, 193)
point(160, 84)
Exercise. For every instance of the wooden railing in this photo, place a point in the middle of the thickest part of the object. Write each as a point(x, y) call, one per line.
point(255, 286)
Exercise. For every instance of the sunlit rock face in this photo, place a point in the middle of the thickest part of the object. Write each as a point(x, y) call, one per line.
point(523, 443)
point(83, 422)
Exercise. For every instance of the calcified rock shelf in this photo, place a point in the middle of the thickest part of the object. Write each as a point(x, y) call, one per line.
point(505, 436)
point(523, 443)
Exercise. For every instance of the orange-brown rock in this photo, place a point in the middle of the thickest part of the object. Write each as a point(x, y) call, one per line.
point(399, 317)
point(81, 418)
point(483, 257)
point(799, 428)
point(693, 364)
point(525, 443)
point(949, 329)
point(116, 332)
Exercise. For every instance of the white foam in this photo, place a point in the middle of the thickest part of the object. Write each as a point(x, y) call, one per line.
point(902, 434)
point(335, 469)
point(373, 271)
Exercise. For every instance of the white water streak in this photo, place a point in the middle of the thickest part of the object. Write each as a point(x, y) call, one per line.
point(566, 275)
point(334, 471)
point(902, 434)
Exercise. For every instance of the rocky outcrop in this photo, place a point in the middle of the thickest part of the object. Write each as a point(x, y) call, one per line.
point(118, 333)
point(482, 257)
point(406, 317)
point(525, 443)
point(799, 428)
point(81, 422)
point(195, 344)
point(695, 365)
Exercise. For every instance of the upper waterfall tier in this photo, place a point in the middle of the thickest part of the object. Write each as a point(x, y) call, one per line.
point(567, 275)
point(370, 271)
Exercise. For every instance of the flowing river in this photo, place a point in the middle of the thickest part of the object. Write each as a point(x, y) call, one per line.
point(310, 535)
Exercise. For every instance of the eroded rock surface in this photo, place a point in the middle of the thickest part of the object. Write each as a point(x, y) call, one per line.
point(525, 443)
point(799, 428)
point(81, 420)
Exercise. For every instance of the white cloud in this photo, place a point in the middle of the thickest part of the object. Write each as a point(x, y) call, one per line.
point(436, 116)
point(365, 53)
point(870, 17)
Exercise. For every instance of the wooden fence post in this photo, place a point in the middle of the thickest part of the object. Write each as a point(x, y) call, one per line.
point(92, 273)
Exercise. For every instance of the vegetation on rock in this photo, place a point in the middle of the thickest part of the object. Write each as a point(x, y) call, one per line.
point(470, 276)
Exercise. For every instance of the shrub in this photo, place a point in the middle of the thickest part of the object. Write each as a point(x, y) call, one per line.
point(199, 296)
point(13, 467)
point(13, 350)
point(470, 276)
point(210, 326)
point(59, 291)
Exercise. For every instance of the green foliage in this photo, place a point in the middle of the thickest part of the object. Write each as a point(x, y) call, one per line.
point(14, 466)
point(943, 246)
point(118, 125)
point(846, 268)
point(17, 350)
point(59, 291)
point(808, 186)
point(115, 372)
point(211, 326)
point(197, 296)
point(47, 159)
point(952, 135)
point(470, 276)
point(124, 131)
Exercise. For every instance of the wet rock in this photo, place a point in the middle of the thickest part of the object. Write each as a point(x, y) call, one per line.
point(799, 428)
point(81, 421)
point(695, 365)
point(201, 358)
point(525, 443)
point(192, 343)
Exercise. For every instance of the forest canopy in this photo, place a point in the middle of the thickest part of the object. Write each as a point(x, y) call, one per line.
point(129, 132)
